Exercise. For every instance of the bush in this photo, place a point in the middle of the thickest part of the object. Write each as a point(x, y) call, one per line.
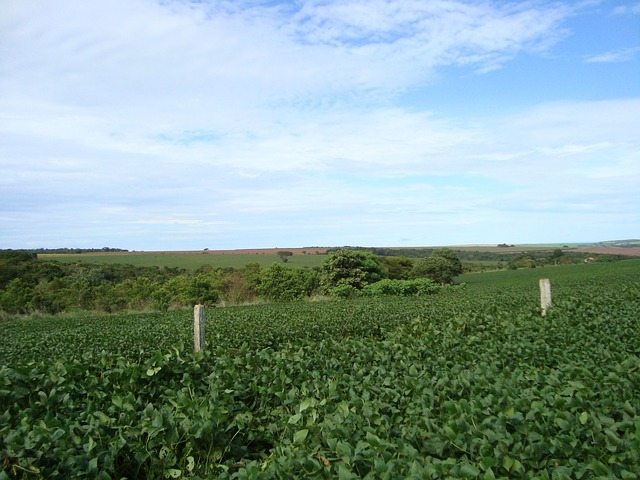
point(401, 288)
point(344, 291)
point(349, 267)
point(441, 267)
point(283, 284)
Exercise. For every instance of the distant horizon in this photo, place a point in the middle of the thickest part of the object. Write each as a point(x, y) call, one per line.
point(328, 247)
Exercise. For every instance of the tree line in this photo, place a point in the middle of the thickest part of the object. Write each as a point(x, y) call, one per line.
point(28, 284)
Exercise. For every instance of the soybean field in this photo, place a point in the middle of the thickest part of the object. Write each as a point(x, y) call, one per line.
point(471, 382)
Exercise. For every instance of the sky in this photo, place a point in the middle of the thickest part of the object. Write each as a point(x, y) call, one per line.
point(224, 124)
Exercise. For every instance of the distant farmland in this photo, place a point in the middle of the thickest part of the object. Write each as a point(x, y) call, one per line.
point(191, 260)
point(302, 257)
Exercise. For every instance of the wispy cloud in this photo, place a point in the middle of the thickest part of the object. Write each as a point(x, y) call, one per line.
point(624, 55)
point(187, 222)
point(630, 9)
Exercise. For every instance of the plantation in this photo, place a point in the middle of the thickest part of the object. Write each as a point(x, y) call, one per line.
point(468, 382)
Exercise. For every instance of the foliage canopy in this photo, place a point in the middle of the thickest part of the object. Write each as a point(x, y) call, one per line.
point(441, 267)
point(353, 268)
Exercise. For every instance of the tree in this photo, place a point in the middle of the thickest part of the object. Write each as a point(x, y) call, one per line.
point(441, 267)
point(283, 284)
point(284, 256)
point(16, 298)
point(557, 253)
point(349, 267)
point(456, 264)
point(237, 288)
point(397, 268)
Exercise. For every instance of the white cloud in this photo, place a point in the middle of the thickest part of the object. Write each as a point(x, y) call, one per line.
point(122, 54)
point(624, 55)
point(630, 9)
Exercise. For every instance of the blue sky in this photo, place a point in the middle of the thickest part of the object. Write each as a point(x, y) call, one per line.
point(176, 124)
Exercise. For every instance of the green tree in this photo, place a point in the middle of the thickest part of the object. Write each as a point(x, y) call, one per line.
point(456, 264)
point(51, 296)
point(202, 289)
point(353, 268)
point(397, 268)
point(16, 298)
point(282, 284)
point(556, 255)
point(441, 267)
point(237, 288)
point(138, 291)
point(284, 256)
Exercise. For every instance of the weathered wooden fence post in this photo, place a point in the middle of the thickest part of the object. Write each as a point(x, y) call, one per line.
point(545, 295)
point(198, 328)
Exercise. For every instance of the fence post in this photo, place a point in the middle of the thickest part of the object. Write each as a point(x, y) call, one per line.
point(198, 328)
point(545, 295)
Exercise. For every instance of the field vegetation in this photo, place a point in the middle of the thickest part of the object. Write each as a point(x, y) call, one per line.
point(187, 260)
point(469, 381)
point(474, 258)
point(29, 284)
point(117, 281)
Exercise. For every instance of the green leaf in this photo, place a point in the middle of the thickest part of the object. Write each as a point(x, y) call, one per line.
point(598, 468)
point(629, 408)
point(373, 440)
point(294, 419)
point(164, 452)
point(343, 449)
point(89, 445)
point(584, 416)
point(172, 473)
point(158, 420)
point(507, 463)
point(306, 403)
point(489, 475)
point(469, 471)
point(300, 436)
point(104, 419)
point(345, 474)
point(611, 440)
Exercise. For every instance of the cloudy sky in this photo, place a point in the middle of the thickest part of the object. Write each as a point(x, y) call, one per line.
point(178, 124)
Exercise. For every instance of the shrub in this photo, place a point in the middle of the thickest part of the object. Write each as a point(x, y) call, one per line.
point(349, 267)
point(280, 283)
point(401, 288)
point(344, 291)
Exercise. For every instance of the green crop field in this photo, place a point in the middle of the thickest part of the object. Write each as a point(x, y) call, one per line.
point(194, 260)
point(471, 382)
point(189, 261)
